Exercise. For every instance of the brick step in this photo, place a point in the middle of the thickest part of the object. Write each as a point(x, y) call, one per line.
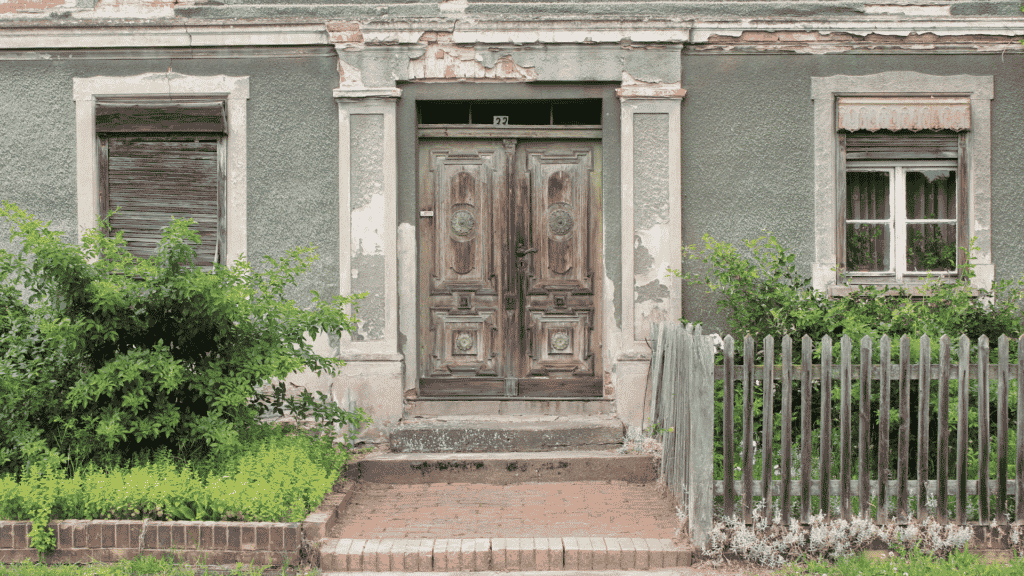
point(500, 554)
point(504, 467)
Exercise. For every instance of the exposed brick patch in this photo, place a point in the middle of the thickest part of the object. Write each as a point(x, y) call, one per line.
point(11, 6)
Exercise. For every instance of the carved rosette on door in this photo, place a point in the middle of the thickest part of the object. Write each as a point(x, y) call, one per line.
point(507, 292)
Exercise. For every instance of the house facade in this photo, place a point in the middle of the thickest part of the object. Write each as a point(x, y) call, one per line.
point(511, 182)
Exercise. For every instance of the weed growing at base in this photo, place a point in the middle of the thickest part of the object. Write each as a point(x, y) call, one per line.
point(281, 476)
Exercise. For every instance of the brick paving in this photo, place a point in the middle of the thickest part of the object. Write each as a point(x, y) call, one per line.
point(553, 510)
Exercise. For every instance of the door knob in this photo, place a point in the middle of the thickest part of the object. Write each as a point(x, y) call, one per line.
point(521, 252)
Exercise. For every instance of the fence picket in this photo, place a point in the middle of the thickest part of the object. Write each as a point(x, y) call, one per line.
point(806, 358)
point(1020, 426)
point(942, 457)
point(864, 426)
point(701, 398)
point(657, 355)
point(844, 428)
point(924, 414)
point(903, 457)
point(748, 428)
point(768, 426)
point(683, 410)
point(963, 387)
point(885, 357)
point(984, 430)
point(668, 410)
point(825, 439)
point(728, 348)
point(1002, 416)
point(787, 426)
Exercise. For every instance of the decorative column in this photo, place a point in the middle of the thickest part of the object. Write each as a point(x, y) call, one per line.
point(651, 232)
point(372, 377)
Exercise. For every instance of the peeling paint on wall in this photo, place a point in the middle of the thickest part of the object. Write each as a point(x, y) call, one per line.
point(652, 253)
point(12, 6)
point(367, 223)
point(442, 59)
point(833, 42)
point(648, 88)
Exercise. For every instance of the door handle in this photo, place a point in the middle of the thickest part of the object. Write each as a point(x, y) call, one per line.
point(520, 252)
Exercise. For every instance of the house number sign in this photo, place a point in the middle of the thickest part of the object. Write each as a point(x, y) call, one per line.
point(501, 120)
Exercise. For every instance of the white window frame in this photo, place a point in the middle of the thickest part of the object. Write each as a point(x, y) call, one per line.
point(826, 90)
point(233, 89)
point(897, 221)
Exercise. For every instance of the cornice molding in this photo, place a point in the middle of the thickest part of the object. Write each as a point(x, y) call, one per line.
point(155, 35)
point(702, 32)
point(367, 93)
point(177, 32)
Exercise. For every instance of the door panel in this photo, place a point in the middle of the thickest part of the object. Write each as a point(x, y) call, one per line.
point(559, 282)
point(507, 269)
point(458, 242)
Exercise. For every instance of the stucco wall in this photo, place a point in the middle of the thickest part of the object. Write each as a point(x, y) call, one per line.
point(292, 148)
point(747, 150)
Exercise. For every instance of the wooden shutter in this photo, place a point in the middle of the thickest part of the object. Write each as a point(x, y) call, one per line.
point(153, 177)
point(901, 146)
point(161, 116)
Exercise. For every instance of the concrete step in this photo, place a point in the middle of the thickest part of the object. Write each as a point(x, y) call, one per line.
point(504, 468)
point(501, 554)
point(495, 433)
point(509, 406)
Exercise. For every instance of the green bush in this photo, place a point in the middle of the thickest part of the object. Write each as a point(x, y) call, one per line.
point(115, 356)
point(761, 293)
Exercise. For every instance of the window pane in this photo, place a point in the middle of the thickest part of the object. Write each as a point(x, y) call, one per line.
point(931, 195)
point(867, 247)
point(867, 195)
point(931, 247)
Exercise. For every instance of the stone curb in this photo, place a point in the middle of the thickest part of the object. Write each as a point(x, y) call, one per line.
point(501, 554)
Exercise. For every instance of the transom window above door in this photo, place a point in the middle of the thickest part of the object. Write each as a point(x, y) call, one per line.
point(580, 112)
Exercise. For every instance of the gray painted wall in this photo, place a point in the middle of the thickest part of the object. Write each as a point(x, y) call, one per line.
point(292, 148)
point(747, 150)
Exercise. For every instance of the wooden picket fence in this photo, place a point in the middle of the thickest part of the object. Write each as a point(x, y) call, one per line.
point(684, 374)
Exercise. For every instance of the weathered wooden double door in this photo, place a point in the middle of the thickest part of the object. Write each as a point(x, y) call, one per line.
point(508, 234)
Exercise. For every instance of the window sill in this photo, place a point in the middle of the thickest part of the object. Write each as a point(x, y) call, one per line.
point(914, 289)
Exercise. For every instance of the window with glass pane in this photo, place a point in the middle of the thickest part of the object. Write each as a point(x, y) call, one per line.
point(931, 220)
point(868, 221)
point(901, 219)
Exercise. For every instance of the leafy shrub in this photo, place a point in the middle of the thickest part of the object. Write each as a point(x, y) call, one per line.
point(761, 292)
point(115, 356)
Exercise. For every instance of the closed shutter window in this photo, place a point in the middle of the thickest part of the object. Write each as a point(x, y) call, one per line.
point(153, 176)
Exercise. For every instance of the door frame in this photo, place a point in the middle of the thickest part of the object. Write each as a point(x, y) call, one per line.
point(607, 303)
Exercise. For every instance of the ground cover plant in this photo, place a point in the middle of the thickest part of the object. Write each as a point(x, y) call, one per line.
point(115, 360)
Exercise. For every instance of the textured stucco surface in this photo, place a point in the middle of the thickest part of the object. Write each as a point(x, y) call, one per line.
point(37, 150)
point(368, 217)
point(748, 150)
point(291, 148)
point(650, 216)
